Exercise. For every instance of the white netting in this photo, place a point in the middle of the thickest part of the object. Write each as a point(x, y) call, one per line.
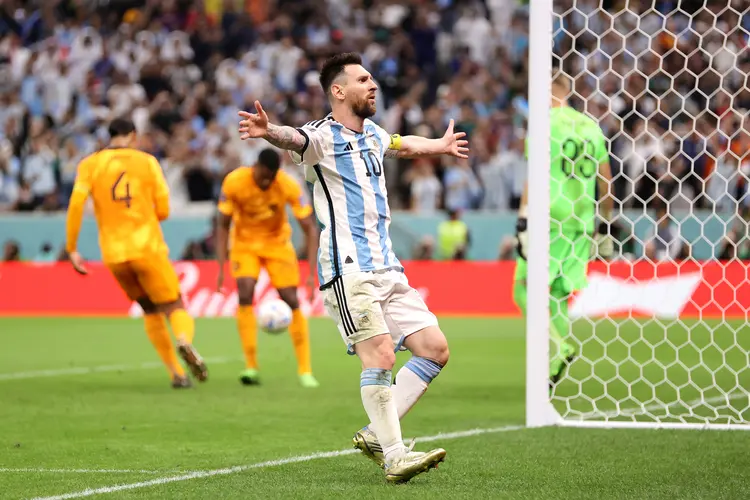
point(662, 330)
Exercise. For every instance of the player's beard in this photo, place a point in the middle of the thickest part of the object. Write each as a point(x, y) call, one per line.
point(364, 108)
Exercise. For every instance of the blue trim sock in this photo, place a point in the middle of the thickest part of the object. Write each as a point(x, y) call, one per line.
point(424, 368)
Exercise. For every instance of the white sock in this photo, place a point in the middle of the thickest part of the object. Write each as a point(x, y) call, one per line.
point(377, 398)
point(407, 390)
point(412, 381)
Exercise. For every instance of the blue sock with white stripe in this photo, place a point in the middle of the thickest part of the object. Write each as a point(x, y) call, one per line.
point(377, 398)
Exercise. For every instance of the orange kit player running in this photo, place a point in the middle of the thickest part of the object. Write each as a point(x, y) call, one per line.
point(130, 198)
point(254, 199)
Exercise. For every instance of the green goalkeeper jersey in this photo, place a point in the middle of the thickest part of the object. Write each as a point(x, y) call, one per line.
point(577, 147)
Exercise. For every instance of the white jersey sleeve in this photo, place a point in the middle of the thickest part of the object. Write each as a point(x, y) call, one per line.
point(317, 143)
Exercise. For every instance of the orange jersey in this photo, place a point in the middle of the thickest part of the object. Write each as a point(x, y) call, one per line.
point(130, 198)
point(259, 217)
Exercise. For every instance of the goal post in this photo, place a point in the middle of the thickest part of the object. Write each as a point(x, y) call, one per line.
point(661, 329)
point(539, 411)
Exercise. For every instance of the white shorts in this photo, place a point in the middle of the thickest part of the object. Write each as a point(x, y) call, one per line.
point(367, 304)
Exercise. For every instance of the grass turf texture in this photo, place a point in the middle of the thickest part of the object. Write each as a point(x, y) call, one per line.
point(129, 419)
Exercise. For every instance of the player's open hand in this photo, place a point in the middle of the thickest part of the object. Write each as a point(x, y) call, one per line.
point(253, 125)
point(77, 261)
point(454, 142)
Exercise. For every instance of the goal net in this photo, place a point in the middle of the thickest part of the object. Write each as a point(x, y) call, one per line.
point(661, 329)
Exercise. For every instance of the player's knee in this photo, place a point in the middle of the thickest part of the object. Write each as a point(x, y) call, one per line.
point(376, 352)
point(386, 358)
point(429, 343)
point(170, 307)
point(438, 351)
point(147, 306)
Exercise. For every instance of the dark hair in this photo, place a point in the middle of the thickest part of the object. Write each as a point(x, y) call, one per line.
point(120, 127)
point(334, 66)
point(270, 159)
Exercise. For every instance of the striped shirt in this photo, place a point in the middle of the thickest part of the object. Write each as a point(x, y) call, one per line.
point(345, 169)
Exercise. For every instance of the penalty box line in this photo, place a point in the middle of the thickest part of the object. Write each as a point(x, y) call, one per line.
point(261, 465)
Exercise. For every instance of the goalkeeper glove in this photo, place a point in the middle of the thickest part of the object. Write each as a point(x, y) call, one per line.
point(604, 245)
point(522, 236)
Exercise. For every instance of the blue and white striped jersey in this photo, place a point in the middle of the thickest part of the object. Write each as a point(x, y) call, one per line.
point(349, 195)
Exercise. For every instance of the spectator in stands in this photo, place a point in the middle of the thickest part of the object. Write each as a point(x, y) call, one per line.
point(425, 248)
point(736, 244)
point(462, 189)
point(11, 251)
point(39, 172)
point(664, 242)
point(426, 190)
point(723, 184)
point(9, 170)
point(203, 249)
point(453, 237)
point(182, 69)
point(46, 253)
point(503, 176)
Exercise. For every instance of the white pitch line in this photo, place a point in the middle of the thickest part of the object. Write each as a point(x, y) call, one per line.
point(88, 471)
point(85, 370)
point(270, 463)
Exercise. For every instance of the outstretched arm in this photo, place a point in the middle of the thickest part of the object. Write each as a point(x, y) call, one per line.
point(256, 125)
point(414, 146)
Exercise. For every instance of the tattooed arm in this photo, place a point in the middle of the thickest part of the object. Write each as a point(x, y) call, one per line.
point(288, 138)
point(300, 143)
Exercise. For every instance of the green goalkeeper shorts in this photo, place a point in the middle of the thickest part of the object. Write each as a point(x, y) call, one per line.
point(568, 261)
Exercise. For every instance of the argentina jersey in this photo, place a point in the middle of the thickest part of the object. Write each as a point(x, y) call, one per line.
point(345, 169)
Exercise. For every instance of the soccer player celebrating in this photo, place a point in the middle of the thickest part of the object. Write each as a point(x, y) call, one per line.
point(130, 198)
point(364, 287)
point(255, 198)
point(578, 153)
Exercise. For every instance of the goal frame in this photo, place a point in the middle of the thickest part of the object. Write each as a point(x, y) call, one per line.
point(540, 411)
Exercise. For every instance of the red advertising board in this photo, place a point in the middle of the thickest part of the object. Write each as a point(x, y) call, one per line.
point(712, 289)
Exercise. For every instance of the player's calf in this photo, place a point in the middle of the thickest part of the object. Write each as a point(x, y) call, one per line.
point(247, 328)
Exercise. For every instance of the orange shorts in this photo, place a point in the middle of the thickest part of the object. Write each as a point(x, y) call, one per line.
point(150, 277)
point(279, 261)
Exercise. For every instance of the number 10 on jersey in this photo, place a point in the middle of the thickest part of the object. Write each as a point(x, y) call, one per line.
point(372, 163)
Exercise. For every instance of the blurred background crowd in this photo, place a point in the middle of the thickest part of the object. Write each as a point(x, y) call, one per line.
point(668, 85)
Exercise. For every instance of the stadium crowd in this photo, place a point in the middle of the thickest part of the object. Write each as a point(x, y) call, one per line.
point(670, 92)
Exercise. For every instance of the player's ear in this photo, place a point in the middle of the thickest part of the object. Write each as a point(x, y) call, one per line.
point(337, 91)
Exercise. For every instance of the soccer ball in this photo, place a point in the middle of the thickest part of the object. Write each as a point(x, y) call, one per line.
point(274, 316)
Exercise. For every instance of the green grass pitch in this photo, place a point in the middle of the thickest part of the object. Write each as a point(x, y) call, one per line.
point(85, 405)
